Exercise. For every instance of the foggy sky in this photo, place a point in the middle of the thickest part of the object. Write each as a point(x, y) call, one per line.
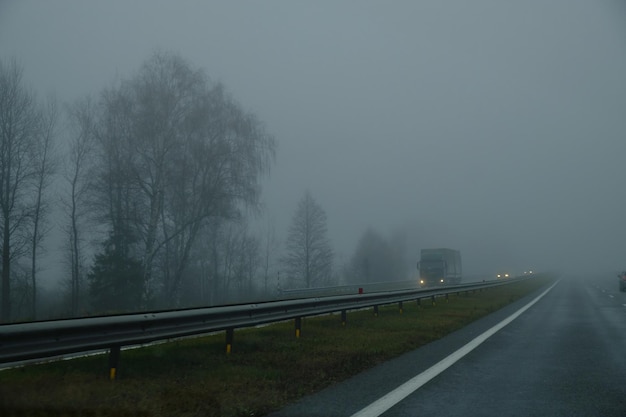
point(497, 128)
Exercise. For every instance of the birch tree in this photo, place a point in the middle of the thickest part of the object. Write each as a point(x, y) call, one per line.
point(76, 202)
point(45, 166)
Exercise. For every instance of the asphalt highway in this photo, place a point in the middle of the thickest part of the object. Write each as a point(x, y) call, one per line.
point(563, 356)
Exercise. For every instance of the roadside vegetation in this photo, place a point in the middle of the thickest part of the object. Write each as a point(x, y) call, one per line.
point(267, 369)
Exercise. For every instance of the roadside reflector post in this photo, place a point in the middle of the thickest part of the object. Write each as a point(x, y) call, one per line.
point(298, 327)
point(432, 299)
point(230, 334)
point(447, 299)
point(114, 360)
point(419, 303)
point(375, 311)
point(344, 317)
point(400, 306)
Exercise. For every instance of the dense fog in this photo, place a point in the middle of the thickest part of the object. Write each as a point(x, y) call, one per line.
point(494, 128)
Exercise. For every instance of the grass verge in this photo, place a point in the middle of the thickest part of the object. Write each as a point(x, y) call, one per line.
point(267, 369)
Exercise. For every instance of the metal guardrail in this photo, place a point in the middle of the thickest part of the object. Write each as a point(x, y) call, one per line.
point(349, 289)
point(39, 340)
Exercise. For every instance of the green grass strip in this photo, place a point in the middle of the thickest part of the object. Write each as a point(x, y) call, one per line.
point(267, 369)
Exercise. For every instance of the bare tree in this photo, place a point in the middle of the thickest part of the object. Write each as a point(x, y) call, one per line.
point(309, 258)
point(18, 130)
point(45, 166)
point(81, 130)
point(114, 205)
point(216, 173)
point(113, 190)
point(175, 152)
point(165, 94)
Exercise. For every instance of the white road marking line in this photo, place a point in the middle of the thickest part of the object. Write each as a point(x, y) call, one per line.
point(392, 398)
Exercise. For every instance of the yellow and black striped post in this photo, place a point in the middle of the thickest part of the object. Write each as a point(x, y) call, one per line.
point(298, 327)
point(114, 359)
point(230, 334)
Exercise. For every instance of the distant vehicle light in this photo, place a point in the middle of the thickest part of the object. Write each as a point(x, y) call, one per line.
point(506, 275)
point(442, 281)
point(499, 276)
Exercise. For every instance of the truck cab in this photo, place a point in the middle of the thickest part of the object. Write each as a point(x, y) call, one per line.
point(439, 266)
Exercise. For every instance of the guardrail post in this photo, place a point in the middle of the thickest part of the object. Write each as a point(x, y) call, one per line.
point(230, 334)
point(375, 311)
point(344, 317)
point(298, 326)
point(400, 306)
point(114, 359)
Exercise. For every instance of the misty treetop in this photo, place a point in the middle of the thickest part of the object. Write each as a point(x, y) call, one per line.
point(173, 151)
point(153, 164)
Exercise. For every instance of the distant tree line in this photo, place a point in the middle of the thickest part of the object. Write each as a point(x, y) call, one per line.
point(310, 261)
point(378, 259)
point(154, 179)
